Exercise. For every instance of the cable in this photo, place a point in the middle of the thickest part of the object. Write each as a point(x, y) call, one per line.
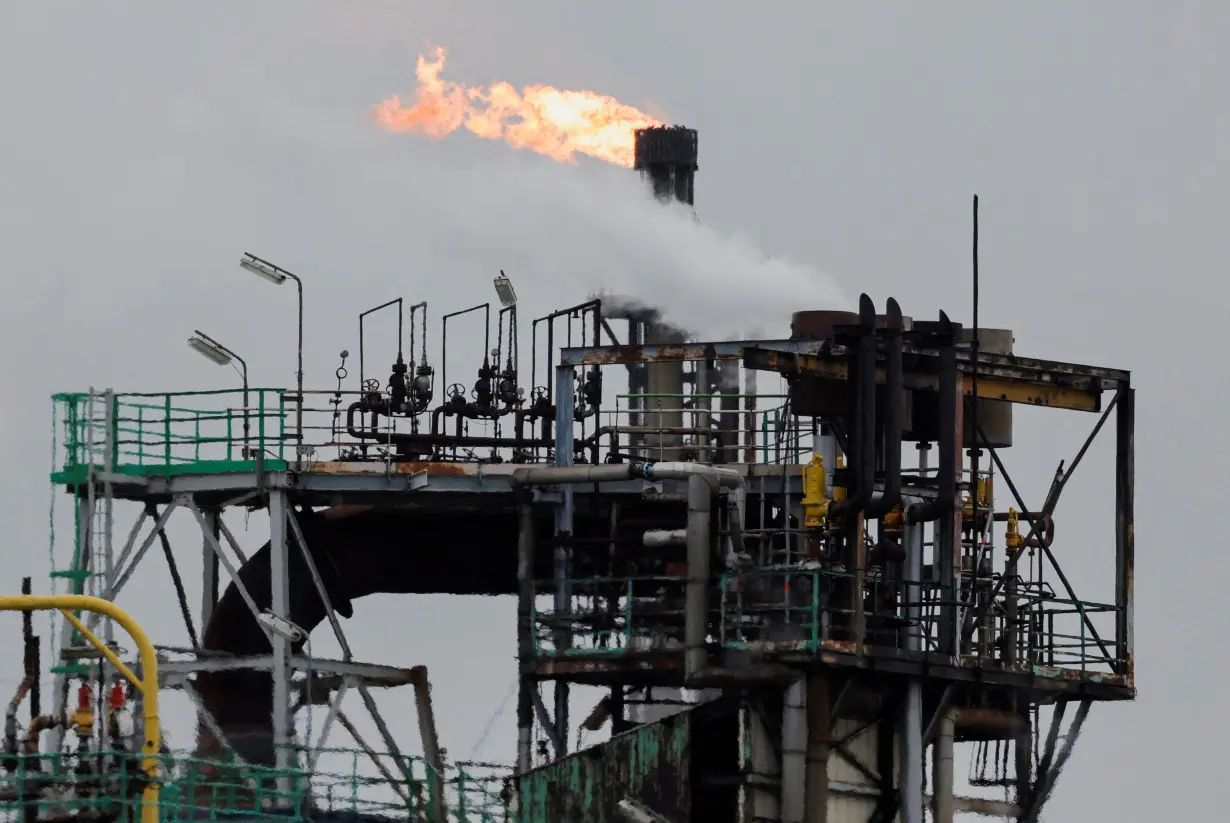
point(491, 721)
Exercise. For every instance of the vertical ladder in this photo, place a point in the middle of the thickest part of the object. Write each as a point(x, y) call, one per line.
point(92, 444)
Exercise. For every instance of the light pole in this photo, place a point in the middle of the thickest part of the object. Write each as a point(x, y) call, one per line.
point(214, 351)
point(278, 276)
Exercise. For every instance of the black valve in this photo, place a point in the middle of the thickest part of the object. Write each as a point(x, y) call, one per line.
point(509, 393)
point(397, 384)
point(591, 389)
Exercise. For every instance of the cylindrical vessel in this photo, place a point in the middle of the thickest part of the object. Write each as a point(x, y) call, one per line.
point(994, 416)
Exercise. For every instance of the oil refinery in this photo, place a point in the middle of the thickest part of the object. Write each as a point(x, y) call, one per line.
point(801, 607)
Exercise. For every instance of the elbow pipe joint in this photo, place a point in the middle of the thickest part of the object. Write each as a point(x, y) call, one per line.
point(893, 387)
point(863, 413)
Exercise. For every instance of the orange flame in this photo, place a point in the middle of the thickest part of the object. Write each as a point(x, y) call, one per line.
point(557, 123)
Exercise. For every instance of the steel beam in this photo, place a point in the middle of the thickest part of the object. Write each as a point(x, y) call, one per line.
point(678, 352)
point(1007, 383)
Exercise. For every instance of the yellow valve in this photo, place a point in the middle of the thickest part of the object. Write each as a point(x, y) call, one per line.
point(815, 504)
point(982, 491)
point(1013, 539)
point(83, 716)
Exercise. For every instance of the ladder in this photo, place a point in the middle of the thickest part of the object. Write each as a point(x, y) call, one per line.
point(92, 441)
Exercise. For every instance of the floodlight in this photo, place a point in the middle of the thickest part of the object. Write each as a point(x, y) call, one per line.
point(210, 349)
point(283, 628)
point(504, 289)
point(266, 271)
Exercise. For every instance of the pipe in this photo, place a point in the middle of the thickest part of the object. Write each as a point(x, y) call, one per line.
point(794, 751)
point(884, 503)
point(941, 797)
point(660, 538)
point(701, 490)
point(944, 501)
point(576, 475)
point(912, 749)
point(38, 725)
point(675, 470)
point(525, 611)
point(862, 440)
point(10, 719)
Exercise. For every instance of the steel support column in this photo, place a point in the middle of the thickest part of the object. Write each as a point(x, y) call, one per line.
point(565, 383)
point(279, 599)
point(819, 734)
point(1125, 532)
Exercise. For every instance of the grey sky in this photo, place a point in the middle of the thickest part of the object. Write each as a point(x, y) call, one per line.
point(147, 145)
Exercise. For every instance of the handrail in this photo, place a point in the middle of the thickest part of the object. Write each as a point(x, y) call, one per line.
point(146, 684)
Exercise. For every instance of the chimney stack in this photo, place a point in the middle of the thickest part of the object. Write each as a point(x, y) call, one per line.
point(667, 156)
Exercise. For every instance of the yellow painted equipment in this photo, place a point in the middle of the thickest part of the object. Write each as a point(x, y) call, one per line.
point(815, 503)
point(146, 684)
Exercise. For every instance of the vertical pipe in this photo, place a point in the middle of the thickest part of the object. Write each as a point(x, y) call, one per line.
point(565, 382)
point(109, 453)
point(794, 752)
point(1125, 538)
point(912, 748)
point(941, 769)
point(818, 708)
point(700, 495)
point(279, 598)
point(430, 741)
point(31, 653)
point(209, 577)
point(525, 628)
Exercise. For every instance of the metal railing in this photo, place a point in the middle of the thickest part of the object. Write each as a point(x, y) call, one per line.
point(800, 609)
point(108, 785)
point(375, 784)
point(168, 433)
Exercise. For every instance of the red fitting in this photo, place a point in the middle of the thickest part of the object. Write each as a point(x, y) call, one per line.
point(83, 697)
point(118, 695)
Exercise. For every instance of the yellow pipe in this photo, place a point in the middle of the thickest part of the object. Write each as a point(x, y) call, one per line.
point(147, 684)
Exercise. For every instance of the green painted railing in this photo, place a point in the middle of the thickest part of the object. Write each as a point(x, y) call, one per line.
point(401, 787)
point(169, 433)
point(107, 785)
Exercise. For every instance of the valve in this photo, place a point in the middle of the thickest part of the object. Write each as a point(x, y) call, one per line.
point(83, 717)
point(456, 398)
point(1013, 539)
point(397, 384)
point(509, 393)
point(483, 392)
point(591, 389)
point(815, 503)
point(540, 403)
point(421, 387)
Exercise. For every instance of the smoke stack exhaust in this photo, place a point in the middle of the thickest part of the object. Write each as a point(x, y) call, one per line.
point(666, 155)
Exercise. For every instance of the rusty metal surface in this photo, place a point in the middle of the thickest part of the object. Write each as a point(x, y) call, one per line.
point(650, 764)
point(1025, 387)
